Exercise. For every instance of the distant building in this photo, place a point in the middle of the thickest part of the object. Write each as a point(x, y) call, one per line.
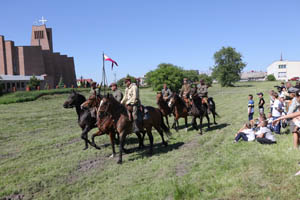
point(37, 59)
point(284, 70)
point(82, 82)
point(142, 81)
point(253, 76)
point(19, 82)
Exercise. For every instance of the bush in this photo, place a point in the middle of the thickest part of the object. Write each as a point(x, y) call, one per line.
point(34, 83)
point(271, 77)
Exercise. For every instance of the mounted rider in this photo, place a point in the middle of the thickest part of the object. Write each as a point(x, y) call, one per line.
point(202, 90)
point(132, 102)
point(117, 94)
point(94, 89)
point(166, 93)
point(185, 91)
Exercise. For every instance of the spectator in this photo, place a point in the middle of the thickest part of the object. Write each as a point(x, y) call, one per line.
point(271, 100)
point(250, 108)
point(264, 135)
point(246, 133)
point(276, 112)
point(261, 102)
point(270, 120)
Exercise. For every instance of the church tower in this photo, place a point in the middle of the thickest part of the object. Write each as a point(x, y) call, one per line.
point(42, 36)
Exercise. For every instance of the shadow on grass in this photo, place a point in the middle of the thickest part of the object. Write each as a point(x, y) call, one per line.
point(158, 149)
point(243, 86)
point(217, 127)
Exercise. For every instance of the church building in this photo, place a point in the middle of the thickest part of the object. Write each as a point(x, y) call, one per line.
point(21, 62)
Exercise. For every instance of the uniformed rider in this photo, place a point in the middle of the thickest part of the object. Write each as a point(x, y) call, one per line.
point(166, 93)
point(117, 94)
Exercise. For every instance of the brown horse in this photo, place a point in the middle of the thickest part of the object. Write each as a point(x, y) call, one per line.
point(123, 125)
point(180, 110)
point(163, 106)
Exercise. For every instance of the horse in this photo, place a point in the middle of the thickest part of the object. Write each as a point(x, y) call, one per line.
point(105, 123)
point(163, 107)
point(85, 119)
point(180, 110)
point(212, 108)
point(124, 126)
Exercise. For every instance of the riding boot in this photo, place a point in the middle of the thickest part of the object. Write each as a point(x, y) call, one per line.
point(129, 115)
point(136, 126)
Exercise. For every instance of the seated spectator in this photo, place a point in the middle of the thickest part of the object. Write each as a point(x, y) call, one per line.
point(264, 135)
point(246, 133)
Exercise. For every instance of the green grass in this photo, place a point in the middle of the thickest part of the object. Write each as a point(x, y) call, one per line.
point(23, 96)
point(41, 157)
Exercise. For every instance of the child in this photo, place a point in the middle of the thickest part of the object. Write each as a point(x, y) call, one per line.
point(261, 102)
point(246, 133)
point(270, 120)
point(250, 108)
point(264, 135)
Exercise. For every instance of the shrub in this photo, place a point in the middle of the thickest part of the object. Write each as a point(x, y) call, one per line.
point(271, 77)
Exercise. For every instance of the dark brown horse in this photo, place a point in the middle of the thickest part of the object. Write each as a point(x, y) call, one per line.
point(105, 123)
point(123, 125)
point(85, 119)
point(163, 107)
point(180, 110)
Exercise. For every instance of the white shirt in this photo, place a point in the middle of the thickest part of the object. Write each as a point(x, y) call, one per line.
point(275, 112)
point(250, 134)
point(267, 133)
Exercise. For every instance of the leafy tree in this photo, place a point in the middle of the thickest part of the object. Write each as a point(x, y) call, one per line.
point(228, 66)
point(61, 82)
point(165, 73)
point(271, 77)
point(191, 75)
point(207, 79)
point(34, 82)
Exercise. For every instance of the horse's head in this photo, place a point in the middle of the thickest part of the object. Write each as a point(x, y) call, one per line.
point(106, 104)
point(93, 101)
point(159, 97)
point(74, 99)
point(173, 100)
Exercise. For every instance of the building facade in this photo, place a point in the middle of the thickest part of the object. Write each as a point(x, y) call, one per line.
point(253, 76)
point(37, 59)
point(284, 70)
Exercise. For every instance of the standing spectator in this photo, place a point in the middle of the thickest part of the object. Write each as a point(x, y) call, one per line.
point(276, 112)
point(261, 102)
point(250, 108)
point(271, 100)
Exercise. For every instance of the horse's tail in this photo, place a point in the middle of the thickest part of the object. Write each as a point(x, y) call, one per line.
point(210, 99)
point(163, 125)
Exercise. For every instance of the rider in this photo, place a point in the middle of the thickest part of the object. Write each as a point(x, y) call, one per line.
point(166, 93)
point(132, 102)
point(202, 92)
point(117, 94)
point(185, 91)
point(94, 89)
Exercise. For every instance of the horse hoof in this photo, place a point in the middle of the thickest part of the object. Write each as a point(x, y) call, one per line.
point(112, 156)
point(119, 162)
point(215, 123)
point(166, 144)
point(126, 151)
point(200, 133)
point(186, 129)
point(85, 148)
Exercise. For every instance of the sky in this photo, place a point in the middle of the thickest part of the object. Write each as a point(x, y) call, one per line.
point(141, 34)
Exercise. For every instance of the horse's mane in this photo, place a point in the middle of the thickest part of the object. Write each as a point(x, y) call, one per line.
point(180, 101)
point(117, 105)
point(81, 98)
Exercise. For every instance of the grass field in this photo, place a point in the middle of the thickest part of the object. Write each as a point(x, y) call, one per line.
point(41, 157)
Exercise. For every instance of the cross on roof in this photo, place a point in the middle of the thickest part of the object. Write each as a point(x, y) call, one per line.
point(43, 21)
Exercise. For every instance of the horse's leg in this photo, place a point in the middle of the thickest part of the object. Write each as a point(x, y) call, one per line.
point(93, 139)
point(186, 126)
point(112, 142)
point(84, 136)
point(141, 139)
point(177, 124)
point(117, 139)
point(201, 120)
point(208, 122)
point(214, 116)
point(194, 123)
point(167, 119)
point(121, 146)
point(161, 133)
point(149, 133)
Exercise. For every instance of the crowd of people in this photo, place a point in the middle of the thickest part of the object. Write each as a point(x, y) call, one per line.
point(283, 111)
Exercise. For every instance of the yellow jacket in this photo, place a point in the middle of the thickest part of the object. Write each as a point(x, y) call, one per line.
point(131, 95)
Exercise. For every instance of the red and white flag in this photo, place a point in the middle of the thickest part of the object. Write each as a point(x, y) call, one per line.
point(106, 58)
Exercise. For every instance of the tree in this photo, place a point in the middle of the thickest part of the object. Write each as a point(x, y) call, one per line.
point(34, 83)
point(228, 66)
point(207, 79)
point(165, 73)
point(271, 77)
point(191, 75)
point(61, 82)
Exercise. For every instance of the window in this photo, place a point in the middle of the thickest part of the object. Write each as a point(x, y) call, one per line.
point(281, 74)
point(18, 85)
point(281, 66)
point(8, 85)
point(3, 86)
point(22, 85)
point(38, 34)
point(13, 85)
